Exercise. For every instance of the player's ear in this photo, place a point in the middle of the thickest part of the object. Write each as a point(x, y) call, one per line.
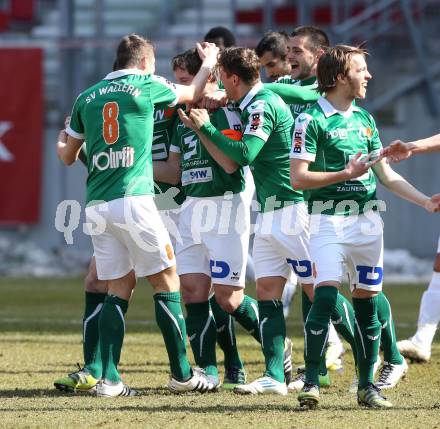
point(341, 78)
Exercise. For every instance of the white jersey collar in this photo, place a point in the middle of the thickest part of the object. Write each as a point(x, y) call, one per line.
point(250, 95)
point(123, 72)
point(330, 110)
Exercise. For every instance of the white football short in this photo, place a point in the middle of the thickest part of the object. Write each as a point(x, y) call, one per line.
point(214, 234)
point(170, 219)
point(281, 244)
point(128, 233)
point(348, 244)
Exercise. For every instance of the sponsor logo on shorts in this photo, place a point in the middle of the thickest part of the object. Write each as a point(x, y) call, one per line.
point(114, 159)
point(301, 268)
point(170, 253)
point(235, 276)
point(370, 276)
point(196, 175)
point(219, 269)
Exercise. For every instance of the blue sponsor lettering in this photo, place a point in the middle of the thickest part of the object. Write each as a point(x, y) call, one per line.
point(219, 269)
point(371, 276)
point(199, 174)
point(302, 268)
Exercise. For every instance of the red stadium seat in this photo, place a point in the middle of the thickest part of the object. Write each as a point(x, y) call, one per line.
point(4, 21)
point(249, 16)
point(286, 15)
point(23, 10)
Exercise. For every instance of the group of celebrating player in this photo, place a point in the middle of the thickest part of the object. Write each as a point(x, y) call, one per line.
point(312, 155)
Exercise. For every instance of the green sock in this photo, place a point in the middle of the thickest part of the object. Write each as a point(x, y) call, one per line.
point(316, 330)
point(306, 306)
point(388, 337)
point(91, 350)
point(273, 333)
point(343, 321)
point(200, 325)
point(111, 335)
point(247, 316)
point(367, 337)
point(170, 320)
point(226, 335)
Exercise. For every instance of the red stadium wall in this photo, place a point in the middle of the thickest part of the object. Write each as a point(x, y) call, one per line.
point(21, 135)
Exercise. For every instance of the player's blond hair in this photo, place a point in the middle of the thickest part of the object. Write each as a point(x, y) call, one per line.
point(131, 49)
point(335, 61)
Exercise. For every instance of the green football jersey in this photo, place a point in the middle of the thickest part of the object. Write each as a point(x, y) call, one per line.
point(297, 108)
point(265, 146)
point(115, 117)
point(201, 175)
point(329, 138)
point(164, 122)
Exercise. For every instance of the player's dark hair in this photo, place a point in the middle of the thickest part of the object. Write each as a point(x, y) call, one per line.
point(131, 50)
point(178, 62)
point(189, 61)
point(274, 42)
point(334, 62)
point(316, 38)
point(242, 62)
point(220, 32)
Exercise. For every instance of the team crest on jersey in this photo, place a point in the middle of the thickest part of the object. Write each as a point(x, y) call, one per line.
point(365, 133)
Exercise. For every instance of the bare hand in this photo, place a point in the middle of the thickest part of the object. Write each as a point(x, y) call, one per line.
point(213, 98)
point(208, 53)
point(188, 122)
point(397, 151)
point(433, 204)
point(360, 164)
point(199, 117)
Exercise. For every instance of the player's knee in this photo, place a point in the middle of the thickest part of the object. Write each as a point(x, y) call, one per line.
point(227, 303)
point(193, 295)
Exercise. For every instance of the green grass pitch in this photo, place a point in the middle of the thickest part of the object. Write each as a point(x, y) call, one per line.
point(40, 340)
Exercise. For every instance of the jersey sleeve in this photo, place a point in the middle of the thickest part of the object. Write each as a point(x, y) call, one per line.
point(260, 121)
point(75, 128)
point(305, 138)
point(163, 91)
point(294, 94)
point(242, 151)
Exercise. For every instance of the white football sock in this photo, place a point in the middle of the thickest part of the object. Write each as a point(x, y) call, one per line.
point(333, 335)
point(429, 314)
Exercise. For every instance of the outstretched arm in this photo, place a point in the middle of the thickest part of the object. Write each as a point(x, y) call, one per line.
point(294, 94)
point(398, 150)
point(399, 186)
point(191, 93)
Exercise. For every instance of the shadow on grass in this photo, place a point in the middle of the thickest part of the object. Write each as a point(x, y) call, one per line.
point(198, 407)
